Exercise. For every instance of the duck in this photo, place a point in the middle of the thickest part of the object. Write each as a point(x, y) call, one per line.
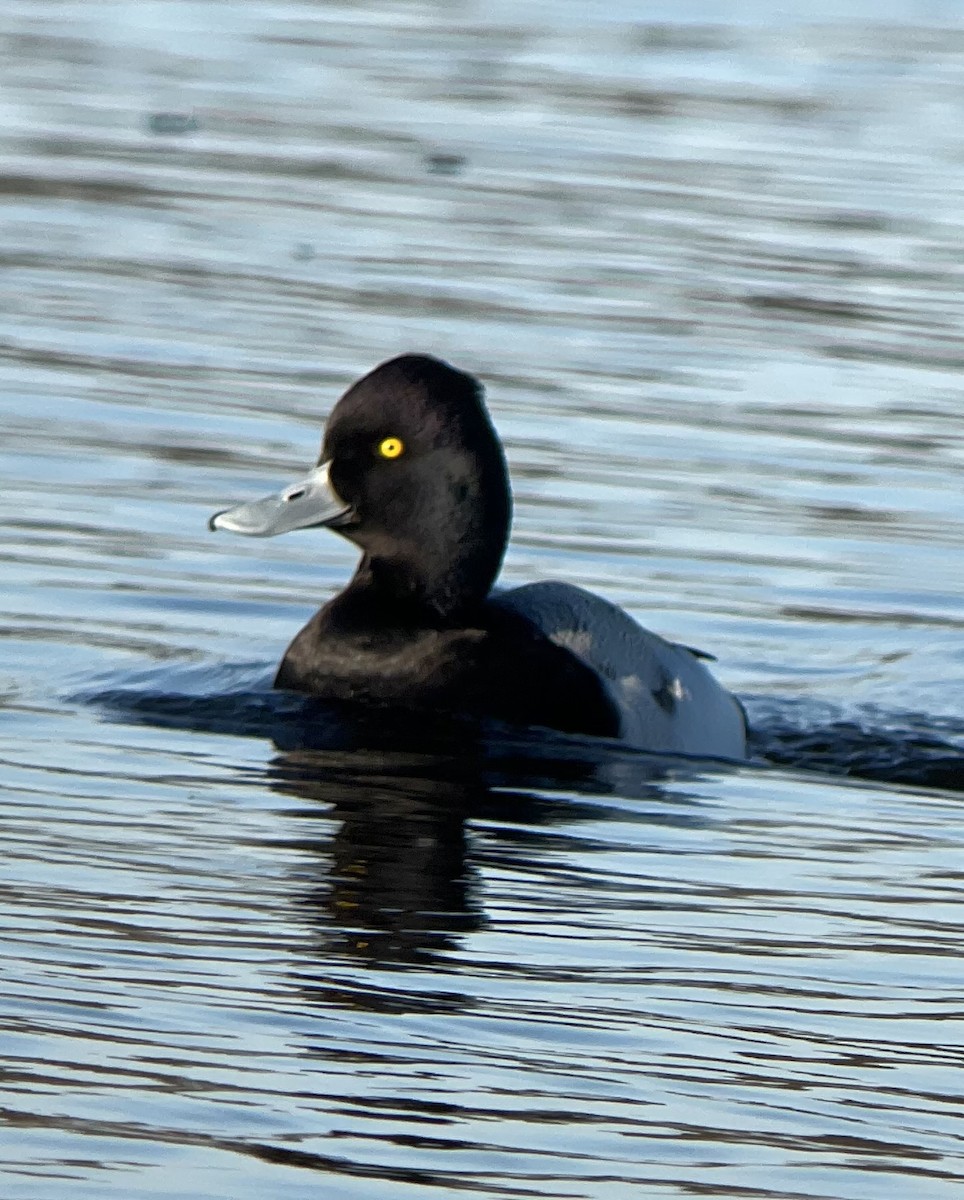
point(413, 473)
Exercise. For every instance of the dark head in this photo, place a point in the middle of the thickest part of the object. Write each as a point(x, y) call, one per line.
point(412, 472)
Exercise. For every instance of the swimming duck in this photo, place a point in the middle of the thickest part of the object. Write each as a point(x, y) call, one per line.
point(412, 471)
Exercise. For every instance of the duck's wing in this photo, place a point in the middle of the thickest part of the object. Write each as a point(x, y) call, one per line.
point(666, 698)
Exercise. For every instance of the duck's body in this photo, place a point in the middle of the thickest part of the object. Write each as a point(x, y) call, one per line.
point(412, 471)
point(495, 664)
point(662, 693)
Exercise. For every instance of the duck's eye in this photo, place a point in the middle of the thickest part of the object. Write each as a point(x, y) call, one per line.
point(391, 447)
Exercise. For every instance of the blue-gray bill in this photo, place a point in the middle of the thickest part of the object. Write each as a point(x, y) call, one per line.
point(311, 501)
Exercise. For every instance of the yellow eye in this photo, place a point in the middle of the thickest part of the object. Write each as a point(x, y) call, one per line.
point(391, 447)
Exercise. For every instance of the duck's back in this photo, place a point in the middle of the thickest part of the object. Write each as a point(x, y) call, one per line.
point(665, 697)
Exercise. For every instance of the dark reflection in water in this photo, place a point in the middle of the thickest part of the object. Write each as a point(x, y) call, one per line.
point(394, 795)
point(399, 882)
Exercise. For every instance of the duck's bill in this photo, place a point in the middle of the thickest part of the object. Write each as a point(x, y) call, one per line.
point(311, 501)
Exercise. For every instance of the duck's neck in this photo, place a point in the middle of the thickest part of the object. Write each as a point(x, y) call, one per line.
point(440, 578)
point(389, 593)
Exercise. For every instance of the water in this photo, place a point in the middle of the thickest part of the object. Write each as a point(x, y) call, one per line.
point(709, 266)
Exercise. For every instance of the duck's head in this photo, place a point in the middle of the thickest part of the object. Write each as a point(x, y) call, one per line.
point(412, 471)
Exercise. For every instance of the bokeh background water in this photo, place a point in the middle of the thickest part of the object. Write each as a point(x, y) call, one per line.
point(707, 258)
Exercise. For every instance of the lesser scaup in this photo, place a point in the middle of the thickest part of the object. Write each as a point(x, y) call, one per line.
point(412, 471)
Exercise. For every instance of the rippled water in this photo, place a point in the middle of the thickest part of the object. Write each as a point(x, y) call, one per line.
point(709, 265)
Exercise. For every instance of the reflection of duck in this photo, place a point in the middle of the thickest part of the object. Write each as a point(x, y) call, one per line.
point(412, 471)
point(397, 820)
point(394, 869)
point(392, 882)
